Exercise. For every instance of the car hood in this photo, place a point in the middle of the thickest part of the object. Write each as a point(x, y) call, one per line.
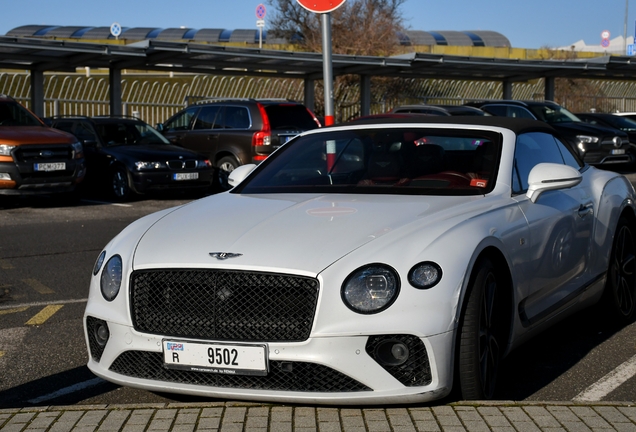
point(304, 233)
point(147, 152)
point(585, 128)
point(17, 135)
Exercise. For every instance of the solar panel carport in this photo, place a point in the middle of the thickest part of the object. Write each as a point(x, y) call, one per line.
point(40, 55)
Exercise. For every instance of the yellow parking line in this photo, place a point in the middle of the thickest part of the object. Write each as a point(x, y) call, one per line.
point(1, 354)
point(38, 286)
point(5, 265)
point(15, 310)
point(44, 314)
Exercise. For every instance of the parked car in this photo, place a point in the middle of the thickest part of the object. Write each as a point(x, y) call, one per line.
point(367, 263)
point(622, 123)
point(445, 110)
point(130, 157)
point(34, 158)
point(631, 115)
point(595, 144)
point(237, 131)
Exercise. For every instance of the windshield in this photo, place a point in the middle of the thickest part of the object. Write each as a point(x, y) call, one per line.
point(13, 114)
point(553, 114)
point(398, 160)
point(128, 133)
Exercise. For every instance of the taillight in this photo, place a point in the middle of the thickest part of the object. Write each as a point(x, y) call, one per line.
point(313, 116)
point(264, 136)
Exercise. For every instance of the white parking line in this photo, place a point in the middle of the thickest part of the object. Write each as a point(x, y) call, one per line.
point(608, 383)
point(106, 203)
point(68, 390)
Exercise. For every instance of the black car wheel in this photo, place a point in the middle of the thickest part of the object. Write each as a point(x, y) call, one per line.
point(620, 288)
point(121, 184)
point(225, 166)
point(479, 345)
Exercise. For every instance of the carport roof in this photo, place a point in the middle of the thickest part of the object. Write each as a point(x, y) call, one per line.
point(51, 55)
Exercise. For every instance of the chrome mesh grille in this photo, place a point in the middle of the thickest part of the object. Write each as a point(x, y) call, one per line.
point(223, 305)
point(286, 376)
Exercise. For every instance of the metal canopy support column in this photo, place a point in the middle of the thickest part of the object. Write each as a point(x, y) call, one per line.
point(549, 88)
point(37, 92)
point(365, 95)
point(507, 90)
point(310, 93)
point(114, 92)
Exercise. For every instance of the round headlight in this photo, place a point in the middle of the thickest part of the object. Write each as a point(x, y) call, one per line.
point(110, 281)
point(99, 262)
point(425, 275)
point(371, 289)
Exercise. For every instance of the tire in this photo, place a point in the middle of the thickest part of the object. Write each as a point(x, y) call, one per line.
point(481, 328)
point(619, 297)
point(225, 166)
point(121, 186)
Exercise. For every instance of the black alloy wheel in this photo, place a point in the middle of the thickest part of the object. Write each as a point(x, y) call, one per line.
point(620, 288)
point(120, 182)
point(479, 345)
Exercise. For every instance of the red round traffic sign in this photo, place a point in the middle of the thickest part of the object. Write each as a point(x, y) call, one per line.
point(321, 6)
point(260, 11)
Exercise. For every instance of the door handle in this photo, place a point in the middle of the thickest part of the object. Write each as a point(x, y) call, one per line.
point(586, 209)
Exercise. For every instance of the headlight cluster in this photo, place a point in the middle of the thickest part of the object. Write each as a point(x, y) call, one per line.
point(204, 163)
point(587, 139)
point(110, 280)
point(5, 149)
point(145, 166)
point(78, 150)
point(374, 287)
point(371, 289)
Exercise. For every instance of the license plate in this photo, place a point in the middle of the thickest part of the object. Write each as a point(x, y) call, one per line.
point(229, 359)
point(50, 166)
point(618, 151)
point(185, 176)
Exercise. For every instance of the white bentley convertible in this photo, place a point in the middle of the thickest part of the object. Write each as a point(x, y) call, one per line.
point(369, 263)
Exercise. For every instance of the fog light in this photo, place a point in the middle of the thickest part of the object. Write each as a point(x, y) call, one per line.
point(392, 352)
point(101, 333)
point(5, 176)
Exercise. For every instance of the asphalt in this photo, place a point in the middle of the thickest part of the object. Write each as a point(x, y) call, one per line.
point(251, 417)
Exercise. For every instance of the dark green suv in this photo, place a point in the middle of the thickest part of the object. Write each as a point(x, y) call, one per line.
point(233, 132)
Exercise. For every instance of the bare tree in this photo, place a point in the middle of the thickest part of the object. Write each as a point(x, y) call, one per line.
point(359, 27)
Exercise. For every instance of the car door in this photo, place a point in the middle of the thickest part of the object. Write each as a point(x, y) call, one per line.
point(560, 230)
point(204, 135)
point(178, 127)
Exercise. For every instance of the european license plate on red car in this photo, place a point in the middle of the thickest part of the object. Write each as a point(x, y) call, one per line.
point(185, 176)
point(229, 359)
point(50, 166)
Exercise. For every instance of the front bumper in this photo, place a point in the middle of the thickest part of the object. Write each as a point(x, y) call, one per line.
point(26, 181)
point(318, 370)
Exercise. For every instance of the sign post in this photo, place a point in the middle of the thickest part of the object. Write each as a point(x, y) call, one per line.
point(260, 23)
point(324, 7)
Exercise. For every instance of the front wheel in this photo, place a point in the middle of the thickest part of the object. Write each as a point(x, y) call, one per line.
point(225, 166)
point(480, 344)
point(620, 288)
point(121, 184)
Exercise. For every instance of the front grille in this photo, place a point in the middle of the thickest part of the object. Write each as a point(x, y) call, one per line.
point(223, 305)
point(43, 153)
point(182, 164)
point(416, 371)
point(285, 376)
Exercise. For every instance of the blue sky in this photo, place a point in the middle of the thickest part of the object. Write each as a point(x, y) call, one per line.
point(527, 24)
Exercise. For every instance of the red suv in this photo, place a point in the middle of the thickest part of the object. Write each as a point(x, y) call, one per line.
point(233, 132)
point(33, 157)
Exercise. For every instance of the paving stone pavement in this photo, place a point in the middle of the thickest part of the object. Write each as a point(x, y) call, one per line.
point(251, 417)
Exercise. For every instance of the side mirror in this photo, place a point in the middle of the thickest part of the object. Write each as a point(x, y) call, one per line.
point(159, 127)
point(549, 176)
point(239, 174)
